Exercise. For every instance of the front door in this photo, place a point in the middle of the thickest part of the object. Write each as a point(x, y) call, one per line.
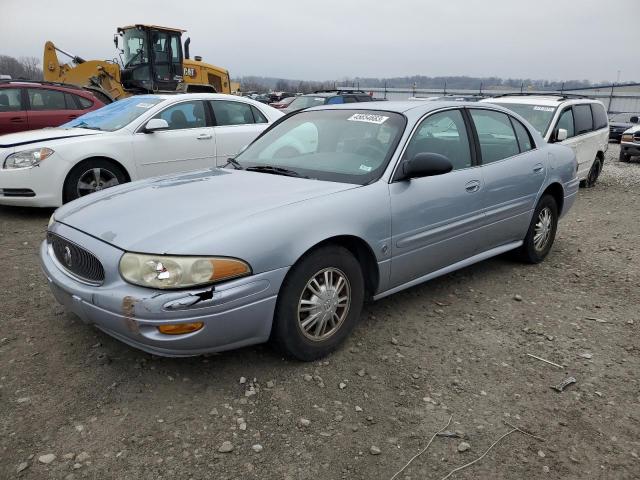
point(13, 116)
point(237, 124)
point(513, 172)
point(435, 220)
point(188, 144)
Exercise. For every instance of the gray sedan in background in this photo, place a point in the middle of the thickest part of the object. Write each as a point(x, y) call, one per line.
point(326, 209)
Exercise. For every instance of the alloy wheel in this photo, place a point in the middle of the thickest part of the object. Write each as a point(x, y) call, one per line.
point(543, 229)
point(94, 180)
point(324, 304)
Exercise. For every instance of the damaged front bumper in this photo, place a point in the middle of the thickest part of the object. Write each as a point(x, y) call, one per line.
point(235, 313)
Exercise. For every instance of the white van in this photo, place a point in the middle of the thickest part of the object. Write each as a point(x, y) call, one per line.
point(577, 122)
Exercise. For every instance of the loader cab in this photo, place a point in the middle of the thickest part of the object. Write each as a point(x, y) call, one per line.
point(152, 58)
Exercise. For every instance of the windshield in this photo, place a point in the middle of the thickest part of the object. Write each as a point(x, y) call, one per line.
point(306, 102)
point(623, 117)
point(350, 146)
point(115, 115)
point(135, 51)
point(539, 116)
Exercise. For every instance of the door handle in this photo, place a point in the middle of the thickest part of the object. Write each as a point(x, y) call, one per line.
point(73, 116)
point(472, 186)
point(205, 136)
point(17, 120)
point(539, 168)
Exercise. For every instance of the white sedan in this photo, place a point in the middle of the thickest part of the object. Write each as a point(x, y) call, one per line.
point(138, 137)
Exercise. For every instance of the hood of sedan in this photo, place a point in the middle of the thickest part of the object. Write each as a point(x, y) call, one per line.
point(43, 135)
point(159, 215)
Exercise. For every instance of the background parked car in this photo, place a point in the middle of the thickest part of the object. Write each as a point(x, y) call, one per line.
point(27, 105)
point(577, 122)
point(327, 97)
point(137, 137)
point(284, 103)
point(619, 122)
point(630, 144)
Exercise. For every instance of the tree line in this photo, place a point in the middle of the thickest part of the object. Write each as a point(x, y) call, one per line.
point(23, 68)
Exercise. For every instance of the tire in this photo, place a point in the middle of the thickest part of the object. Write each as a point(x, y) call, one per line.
point(624, 157)
point(594, 173)
point(531, 250)
point(81, 180)
point(330, 319)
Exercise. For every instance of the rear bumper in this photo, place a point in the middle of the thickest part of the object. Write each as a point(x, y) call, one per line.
point(239, 312)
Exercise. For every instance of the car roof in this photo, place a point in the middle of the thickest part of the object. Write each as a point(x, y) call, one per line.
point(401, 107)
point(197, 96)
point(546, 100)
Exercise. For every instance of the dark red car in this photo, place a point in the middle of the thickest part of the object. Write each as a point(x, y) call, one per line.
point(28, 105)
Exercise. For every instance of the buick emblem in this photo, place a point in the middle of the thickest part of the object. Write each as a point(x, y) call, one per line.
point(67, 255)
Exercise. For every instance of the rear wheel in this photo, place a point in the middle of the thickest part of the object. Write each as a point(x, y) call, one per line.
point(542, 231)
point(594, 173)
point(92, 176)
point(319, 303)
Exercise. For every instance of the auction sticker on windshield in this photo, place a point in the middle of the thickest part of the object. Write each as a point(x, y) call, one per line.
point(367, 117)
point(544, 109)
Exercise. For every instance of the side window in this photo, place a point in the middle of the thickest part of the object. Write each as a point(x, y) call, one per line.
point(10, 100)
point(184, 115)
point(566, 121)
point(84, 102)
point(600, 119)
point(231, 113)
point(350, 99)
point(524, 139)
point(71, 103)
point(45, 99)
point(258, 116)
point(497, 138)
point(444, 133)
point(364, 98)
point(583, 118)
point(335, 100)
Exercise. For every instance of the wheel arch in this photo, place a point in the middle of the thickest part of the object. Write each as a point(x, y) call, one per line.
point(363, 253)
point(118, 164)
point(557, 192)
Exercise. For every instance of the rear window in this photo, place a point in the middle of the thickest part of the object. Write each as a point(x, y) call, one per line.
point(583, 118)
point(599, 116)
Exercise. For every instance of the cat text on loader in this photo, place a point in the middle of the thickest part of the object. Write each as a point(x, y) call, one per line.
point(152, 61)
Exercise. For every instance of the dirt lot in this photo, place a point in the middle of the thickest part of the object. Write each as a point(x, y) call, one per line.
point(453, 347)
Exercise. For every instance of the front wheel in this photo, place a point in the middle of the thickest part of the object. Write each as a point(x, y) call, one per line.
point(91, 176)
point(319, 303)
point(542, 231)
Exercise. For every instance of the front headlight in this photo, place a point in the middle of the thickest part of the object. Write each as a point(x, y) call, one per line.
point(166, 271)
point(27, 158)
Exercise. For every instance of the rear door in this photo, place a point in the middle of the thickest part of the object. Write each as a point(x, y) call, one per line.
point(236, 125)
point(436, 220)
point(13, 115)
point(513, 171)
point(49, 108)
point(586, 138)
point(188, 144)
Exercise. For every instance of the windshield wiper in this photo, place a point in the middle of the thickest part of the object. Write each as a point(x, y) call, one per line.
point(232, 161)
point(86, 126)
point(275, 171)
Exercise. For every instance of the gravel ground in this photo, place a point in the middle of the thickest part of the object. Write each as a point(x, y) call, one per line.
point(75, 403)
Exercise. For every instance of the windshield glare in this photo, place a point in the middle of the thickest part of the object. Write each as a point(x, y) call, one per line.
point(306, 102)
point(539, 116)
point(350, 146)
point(115, 115)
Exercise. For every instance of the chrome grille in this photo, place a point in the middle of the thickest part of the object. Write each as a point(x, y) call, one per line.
point(77, 261)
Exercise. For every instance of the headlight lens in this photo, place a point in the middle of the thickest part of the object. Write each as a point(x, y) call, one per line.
point(27, 158)
point(165, 271)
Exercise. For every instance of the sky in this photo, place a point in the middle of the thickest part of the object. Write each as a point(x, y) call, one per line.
point(338, 39)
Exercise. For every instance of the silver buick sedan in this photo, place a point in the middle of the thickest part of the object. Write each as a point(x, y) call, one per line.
point(328, 208)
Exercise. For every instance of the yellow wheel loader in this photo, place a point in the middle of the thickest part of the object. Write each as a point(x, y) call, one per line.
point(151, 61)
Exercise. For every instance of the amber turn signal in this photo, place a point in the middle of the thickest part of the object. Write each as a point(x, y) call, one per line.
point(180, 328)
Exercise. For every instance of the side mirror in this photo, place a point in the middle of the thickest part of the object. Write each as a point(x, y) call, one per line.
point(562, 135)
point(426, 165)
point(156, 124)
point(634, 119)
